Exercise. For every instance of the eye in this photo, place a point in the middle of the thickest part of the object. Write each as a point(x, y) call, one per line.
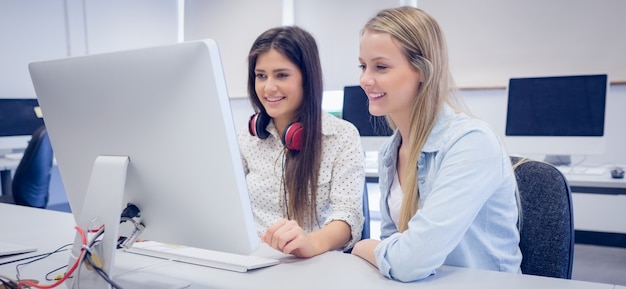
point(362, 66)
point(282, 75)
point(381, 67)
point(261, 76)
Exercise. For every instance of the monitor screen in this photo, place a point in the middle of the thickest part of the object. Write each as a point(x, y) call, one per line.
point(167, 110)
point(19, 118)
point(560, 115)
point(373, 129)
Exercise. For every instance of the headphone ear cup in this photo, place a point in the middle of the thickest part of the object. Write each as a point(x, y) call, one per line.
point(292, 136)
point(258, 124)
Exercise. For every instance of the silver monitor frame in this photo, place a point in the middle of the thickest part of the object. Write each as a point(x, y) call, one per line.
point(167, 110)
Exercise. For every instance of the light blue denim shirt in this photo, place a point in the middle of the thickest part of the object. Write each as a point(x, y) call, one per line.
point(468, 208)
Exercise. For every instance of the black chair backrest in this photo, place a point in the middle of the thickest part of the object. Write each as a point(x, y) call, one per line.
point(31, 181)
point(546, 220)
point(365, 233)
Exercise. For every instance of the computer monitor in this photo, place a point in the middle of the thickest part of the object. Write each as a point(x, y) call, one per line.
point(556, 116)
point(152, 127)
point(19, 118)
point(374, 130)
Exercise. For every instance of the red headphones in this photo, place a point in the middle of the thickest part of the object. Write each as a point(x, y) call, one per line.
point(291, 137)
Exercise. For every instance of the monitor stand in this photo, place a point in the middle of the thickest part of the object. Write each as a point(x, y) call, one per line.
point(558, 160)
point(102, 207)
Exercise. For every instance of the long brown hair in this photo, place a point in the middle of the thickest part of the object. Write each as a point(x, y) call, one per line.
point(301, 169)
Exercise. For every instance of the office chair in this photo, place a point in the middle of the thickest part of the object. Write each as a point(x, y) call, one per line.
point(365, 233)
point(546, 219)
point(31, 181)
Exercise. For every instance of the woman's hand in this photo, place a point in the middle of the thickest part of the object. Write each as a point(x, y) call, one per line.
point(288, 237)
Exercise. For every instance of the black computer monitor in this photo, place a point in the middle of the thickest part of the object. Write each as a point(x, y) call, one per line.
point(558, 115)
point(19, 118)
point(373, 129)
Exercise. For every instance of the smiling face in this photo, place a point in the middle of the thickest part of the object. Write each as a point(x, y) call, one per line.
point(390, 81)
point(278, 85)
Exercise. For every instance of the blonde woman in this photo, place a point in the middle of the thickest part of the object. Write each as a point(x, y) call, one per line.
point(448, 192)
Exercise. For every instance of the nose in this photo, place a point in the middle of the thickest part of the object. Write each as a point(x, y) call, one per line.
point(270, 86)
point(366, 79)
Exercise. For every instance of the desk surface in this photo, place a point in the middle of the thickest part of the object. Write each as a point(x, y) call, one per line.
point(8, 164)
point(49, 230)
point(575, 180)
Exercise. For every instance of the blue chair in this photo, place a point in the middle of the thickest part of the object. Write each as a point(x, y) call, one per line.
point(365, 233)
point(546, 219)
point(31, 181)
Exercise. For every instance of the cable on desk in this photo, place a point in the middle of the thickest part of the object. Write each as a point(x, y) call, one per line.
point(7, 282)
point(92, 259)
point(98, 268)
point(38, 257)
point(57, 277)
point(28, 284)
point(62, 249)
point(93, 262)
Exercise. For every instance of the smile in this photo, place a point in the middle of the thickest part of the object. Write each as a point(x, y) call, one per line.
point(274, 99)
point(376, 95)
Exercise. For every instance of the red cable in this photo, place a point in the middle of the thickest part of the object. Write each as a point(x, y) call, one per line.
point(69, 272)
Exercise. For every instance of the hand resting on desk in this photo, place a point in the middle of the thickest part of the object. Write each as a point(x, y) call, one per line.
point(288, 237)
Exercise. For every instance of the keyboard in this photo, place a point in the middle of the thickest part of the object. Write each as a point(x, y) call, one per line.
point(582, 170)
point(14, 156)
point(7, 249)
point(202, 257)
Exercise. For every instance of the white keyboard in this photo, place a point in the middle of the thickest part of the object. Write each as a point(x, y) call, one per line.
point(14, 156)
point(7, 249)
point(208, 258)
point(582, 170)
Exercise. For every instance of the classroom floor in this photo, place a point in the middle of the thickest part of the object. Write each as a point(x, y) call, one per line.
point(600, 264)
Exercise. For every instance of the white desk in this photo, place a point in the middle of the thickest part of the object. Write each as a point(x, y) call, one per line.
point(598, 184)
point(50, 229)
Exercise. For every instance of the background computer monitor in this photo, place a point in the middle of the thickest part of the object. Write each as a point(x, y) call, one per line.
point(19, 118)
point(556, 116)
point(373, 129)
point(168, 110)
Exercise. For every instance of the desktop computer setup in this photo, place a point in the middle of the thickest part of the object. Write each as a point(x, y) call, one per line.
point(558, 116)
point(19, 118)
point(113, 118)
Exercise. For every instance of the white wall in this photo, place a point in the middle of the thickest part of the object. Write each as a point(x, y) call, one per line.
point(491, 41)
point(28, 32)
point(34, 30)
point(336, 26)
point(234, 24)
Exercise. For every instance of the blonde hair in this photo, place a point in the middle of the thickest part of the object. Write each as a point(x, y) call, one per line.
point(425, 48)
